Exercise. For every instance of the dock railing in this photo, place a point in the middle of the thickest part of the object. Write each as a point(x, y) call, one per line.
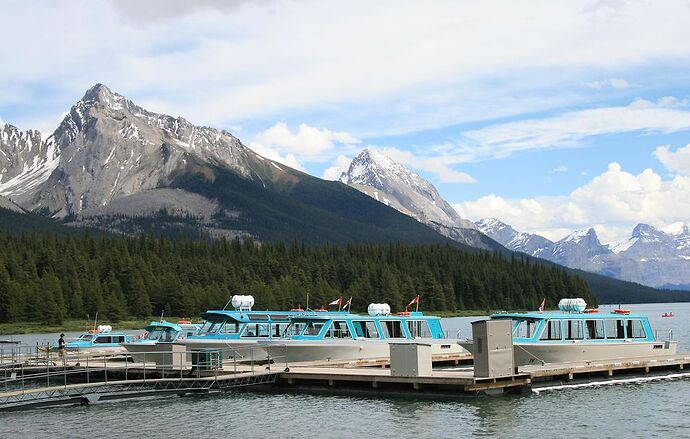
point(27, 371)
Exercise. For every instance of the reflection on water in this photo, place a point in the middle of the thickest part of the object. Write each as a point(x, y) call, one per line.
point(631, 410)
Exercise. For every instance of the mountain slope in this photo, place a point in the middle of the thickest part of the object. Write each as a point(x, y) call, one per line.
point(113, 165)
point(394, 185)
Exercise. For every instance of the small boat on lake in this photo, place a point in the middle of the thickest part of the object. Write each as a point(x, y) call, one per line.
point(330, 337)
point(101, 339)
point(667, 314)
point(161, 332)
point(575, 334)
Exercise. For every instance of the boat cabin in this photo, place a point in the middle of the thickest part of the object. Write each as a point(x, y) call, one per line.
point(560, 327)
point(316, 326)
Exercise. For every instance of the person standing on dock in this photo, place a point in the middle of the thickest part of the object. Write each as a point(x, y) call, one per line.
point(61, 346)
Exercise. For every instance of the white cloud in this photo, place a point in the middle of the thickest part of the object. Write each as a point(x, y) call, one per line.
point(568, 129)
point(407, 66)
point(612, 82)
point(307, 142)
point(677, 162)
point(613, 203)
point(273, 154)
point(339, 165)
point(559, 169)
point(440, 166)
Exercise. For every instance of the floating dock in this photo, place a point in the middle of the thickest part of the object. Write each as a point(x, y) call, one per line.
point(44, 382)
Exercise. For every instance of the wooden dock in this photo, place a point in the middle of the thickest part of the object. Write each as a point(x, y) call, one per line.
point(462, 382)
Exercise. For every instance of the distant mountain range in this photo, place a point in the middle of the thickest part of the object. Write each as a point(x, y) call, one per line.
point(658, 258)
point(115, 166)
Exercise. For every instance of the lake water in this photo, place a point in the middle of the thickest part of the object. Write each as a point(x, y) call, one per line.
point(651, 409)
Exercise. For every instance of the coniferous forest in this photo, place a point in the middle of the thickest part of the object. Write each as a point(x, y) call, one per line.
point(48, 278)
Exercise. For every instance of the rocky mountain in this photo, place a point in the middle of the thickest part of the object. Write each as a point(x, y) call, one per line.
point(114, 165)
point(658, 258)
point(394, 185)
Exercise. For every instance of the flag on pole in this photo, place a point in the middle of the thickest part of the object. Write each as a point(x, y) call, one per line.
point(415, 300)
point(348, 304)
point(338, 301)
point(543, 302)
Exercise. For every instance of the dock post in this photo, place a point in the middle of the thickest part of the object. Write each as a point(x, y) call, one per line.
point(87, 369)
point(609, 373)
point(105, 364)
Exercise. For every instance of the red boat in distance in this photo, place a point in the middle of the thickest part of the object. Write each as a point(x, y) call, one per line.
point(667, 314)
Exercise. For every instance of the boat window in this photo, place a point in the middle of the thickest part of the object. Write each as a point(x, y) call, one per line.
point(595, 329)
point(119, 339)
point(86, 337)
point(525, 329)
point(102, 339)
point(168, 336)
point(573, 329)
point(614, 329)
point(210, 327)
point(392, 329)
point(256, 330)
point(338, 329)
point(231, 327)
point(295, 328)
point(313, 328)
point(419, 328)
point(365, 328)
point(155, 334)
point(552, 330)
point(278, 329)
point(636, 329)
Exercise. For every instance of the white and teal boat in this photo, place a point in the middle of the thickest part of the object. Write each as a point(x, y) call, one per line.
point(349, 337)
point(160, 333)
point(236, 332)
point(101, 339)
point(577, 334)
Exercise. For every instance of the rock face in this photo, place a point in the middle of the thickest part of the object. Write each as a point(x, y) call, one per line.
point(107, 148)
point(116, 166)
point(394, 185)
point(658, 258)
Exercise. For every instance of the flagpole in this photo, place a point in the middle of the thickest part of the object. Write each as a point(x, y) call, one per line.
point(416, 308)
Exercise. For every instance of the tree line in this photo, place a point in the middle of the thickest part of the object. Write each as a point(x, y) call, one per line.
point(48, 278)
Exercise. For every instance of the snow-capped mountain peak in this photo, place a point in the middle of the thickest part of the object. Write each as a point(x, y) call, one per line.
point(391, 183)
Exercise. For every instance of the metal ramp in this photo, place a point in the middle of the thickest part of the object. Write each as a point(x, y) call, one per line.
point(87, 393)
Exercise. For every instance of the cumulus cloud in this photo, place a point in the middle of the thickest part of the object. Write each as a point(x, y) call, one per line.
point(675, 161)
point(613, 202)
point(339, 165)
point(665, 115)
point(612, 82)
point(305, 144)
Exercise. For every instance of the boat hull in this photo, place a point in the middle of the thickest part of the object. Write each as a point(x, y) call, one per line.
point(537, 353)
point(241, 350)
point(294, 351)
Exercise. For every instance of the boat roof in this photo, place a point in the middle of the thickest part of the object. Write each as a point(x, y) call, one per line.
point(260, 316)
point(311, 316)
point(536, 315)
point(163, 324)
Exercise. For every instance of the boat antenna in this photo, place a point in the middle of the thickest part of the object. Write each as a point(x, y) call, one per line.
point(95, 321)
point(307, 307)
point(162, 312)
point(228, 303)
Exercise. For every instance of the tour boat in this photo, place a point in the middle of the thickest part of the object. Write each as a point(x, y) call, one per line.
point(577, 334)
point(328, 337)
point(101, 339)
point(236, 332)
point(162, 332)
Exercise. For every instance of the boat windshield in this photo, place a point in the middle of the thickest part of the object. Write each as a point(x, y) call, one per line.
point(294, 329)
point(86, 337)
point(165, 335)
point(210, 327)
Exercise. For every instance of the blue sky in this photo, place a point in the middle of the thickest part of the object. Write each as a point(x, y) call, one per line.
point(550, 115)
